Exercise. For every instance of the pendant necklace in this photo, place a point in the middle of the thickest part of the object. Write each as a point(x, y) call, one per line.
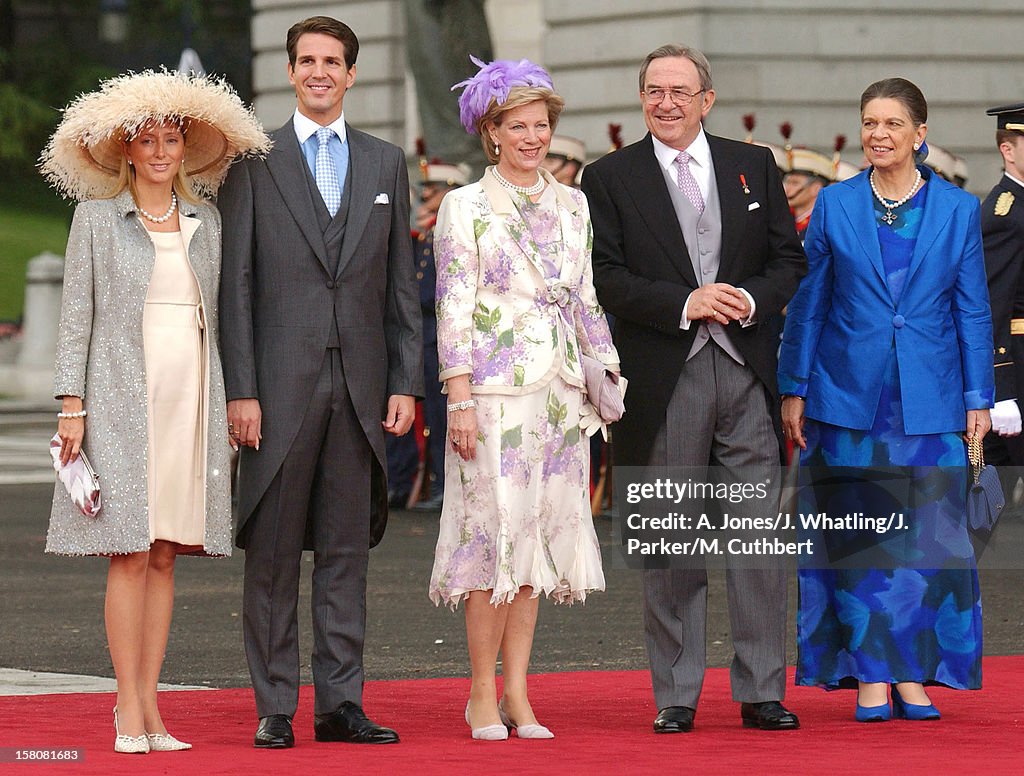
point(889, 205)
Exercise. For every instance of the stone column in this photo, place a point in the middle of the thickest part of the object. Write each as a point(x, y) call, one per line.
point(43, 288)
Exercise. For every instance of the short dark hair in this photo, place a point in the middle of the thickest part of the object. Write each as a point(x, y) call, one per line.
point(1007, 136)
point(324, 25)
point(672, 50)
point(901, 90)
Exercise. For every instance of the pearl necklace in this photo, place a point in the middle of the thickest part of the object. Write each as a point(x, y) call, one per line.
point(165, 216)
point(889, 216)
point(530, 191)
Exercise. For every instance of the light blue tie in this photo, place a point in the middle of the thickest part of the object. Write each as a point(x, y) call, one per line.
point(326, 172)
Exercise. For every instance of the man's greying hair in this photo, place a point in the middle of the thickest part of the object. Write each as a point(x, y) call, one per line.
point(672, 50)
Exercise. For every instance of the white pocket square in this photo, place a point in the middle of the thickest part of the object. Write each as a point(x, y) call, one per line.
point(753, 206)
point(382, 199)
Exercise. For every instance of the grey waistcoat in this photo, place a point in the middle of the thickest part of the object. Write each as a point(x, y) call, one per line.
point(703, 237)
point(333, 229)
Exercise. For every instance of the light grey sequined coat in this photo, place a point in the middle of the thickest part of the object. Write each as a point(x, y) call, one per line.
point(100, 357)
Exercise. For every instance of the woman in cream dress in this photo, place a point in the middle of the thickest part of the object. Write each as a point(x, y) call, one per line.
point(138, 368)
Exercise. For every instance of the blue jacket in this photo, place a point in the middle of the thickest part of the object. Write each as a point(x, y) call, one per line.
point(842, 323)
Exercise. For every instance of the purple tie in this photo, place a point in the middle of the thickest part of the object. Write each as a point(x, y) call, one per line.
point(687, 183)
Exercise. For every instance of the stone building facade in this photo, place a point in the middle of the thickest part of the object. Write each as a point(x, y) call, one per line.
point(799, 61)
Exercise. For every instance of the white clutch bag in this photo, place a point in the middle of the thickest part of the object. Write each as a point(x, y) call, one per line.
point(79, 479)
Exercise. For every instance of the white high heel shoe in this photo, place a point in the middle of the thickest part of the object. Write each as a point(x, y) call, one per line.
point(129, 744)
point(524, 731)
point(488, 732)
point(165, 742)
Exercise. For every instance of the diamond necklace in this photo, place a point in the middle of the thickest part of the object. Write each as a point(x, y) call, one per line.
point(889, 206)
point(529, 191)
point(165, 216)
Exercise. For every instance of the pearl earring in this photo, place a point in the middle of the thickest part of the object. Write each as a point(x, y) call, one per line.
point(497, 150)
point(917, 146)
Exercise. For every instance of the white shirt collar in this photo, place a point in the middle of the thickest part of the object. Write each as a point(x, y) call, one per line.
point(1014, 178)
point(699, 151)
point(305, 127)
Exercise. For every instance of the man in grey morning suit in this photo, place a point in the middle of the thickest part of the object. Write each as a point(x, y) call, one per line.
point(322, 354)
point(693, 245)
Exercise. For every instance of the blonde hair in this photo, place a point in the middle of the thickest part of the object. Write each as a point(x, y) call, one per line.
point(182, 184)
point(517, 97)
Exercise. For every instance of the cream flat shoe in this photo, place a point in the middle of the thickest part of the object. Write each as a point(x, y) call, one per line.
point(524, 731)
point(488, 732)
point(165, 742)
point(129, 744)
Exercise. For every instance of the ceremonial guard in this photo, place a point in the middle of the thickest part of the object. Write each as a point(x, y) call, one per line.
point(565, 159)
point(1002, 225)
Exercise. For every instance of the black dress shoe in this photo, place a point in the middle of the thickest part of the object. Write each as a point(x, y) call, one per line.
point(674, 719)
point(275, 732)
point(350, 724)
point(770, 715)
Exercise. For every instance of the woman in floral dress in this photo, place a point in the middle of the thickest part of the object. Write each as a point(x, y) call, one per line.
point(516, 310)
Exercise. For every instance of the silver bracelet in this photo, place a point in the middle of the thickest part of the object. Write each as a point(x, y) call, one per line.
point(462, 405)
point(79, 414)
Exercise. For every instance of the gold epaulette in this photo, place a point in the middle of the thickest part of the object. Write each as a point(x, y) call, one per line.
point(1003, 203)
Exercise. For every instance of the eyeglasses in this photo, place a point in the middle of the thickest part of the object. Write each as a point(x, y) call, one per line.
point(656, 94)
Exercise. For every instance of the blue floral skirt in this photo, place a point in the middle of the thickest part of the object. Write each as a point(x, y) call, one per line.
point(893, 624)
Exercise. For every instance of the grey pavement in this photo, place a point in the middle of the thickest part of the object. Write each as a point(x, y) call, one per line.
point(25, 428)
point(17, 682)
point(51, 607)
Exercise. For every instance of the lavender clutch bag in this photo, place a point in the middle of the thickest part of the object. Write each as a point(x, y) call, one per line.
point(79, 479)
point(604, 390)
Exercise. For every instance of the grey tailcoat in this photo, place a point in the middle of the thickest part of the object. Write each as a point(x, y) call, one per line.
point(100, 357)
point(281, 302)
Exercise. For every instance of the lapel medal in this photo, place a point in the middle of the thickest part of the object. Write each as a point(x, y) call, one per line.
point(746, 189)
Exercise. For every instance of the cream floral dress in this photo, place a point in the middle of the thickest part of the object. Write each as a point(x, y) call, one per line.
point(519, 513)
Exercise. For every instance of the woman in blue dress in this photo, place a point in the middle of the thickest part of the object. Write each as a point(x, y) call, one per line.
point(886, 361)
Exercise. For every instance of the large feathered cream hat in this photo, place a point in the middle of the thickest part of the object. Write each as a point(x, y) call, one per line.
point(83, 158)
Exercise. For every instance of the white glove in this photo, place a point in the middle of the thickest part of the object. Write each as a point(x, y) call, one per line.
point(1006, 418)
point(590, 421)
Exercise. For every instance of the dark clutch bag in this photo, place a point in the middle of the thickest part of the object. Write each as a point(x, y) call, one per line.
point(985, 499)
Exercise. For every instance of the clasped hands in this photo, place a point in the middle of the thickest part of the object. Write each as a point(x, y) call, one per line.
point(718, 302)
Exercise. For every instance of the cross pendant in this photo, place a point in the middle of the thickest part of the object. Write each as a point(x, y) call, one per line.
point(889, 217)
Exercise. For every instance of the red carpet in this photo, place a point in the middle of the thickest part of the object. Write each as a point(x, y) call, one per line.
point(602, 721)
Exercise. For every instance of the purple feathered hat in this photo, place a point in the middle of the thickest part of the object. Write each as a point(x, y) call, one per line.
point(494, 81)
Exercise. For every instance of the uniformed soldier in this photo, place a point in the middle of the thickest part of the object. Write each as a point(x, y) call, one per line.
point(1002, 226)
point(565, 159)
point(809, 172)
point(942, 162)
point(403, 452)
